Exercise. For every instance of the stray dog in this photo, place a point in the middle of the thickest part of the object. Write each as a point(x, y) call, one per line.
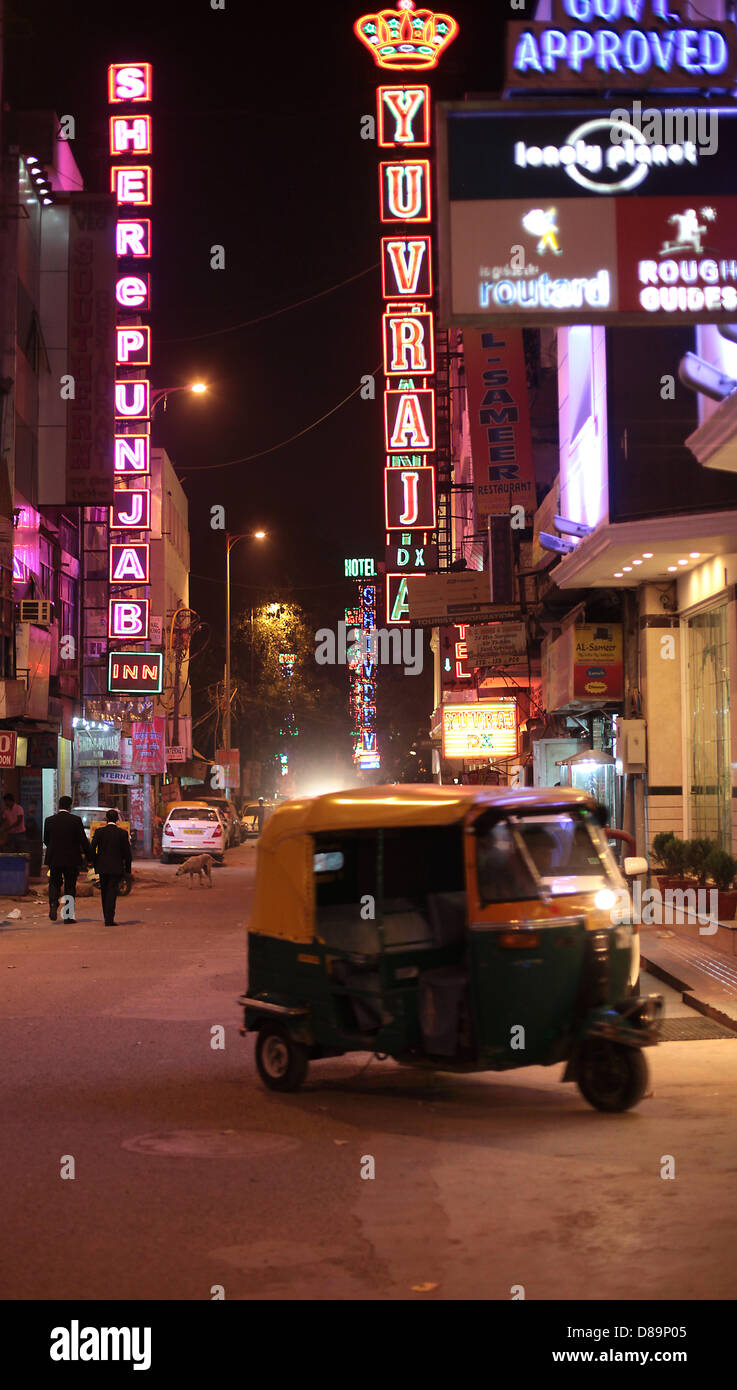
point(199, 864)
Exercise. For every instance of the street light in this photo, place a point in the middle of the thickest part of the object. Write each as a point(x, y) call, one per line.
point(161, 392)
point(230, 542)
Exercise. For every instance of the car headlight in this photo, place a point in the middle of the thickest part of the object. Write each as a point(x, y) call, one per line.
point(605, 900)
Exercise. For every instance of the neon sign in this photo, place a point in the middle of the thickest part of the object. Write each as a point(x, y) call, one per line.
point(409, 420)
point(135, 673)
point(128, 619)
point(404, 191)
point(398, 111)
point(129, 564)
point(130, 82)
point(658, 50)
point(130, 135)
point(484, 730)
point(132, 400)
point(405, 37)
point(409, 340)
point(410, 498)
point(406, 267)
point(132, 455)
point(133, 238)
point(133, 346)
point(131, 511)
point(131, 184)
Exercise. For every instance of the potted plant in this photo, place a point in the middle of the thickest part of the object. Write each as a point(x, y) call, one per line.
point(697, 853)
point(660, 841)
point(721, 868)
point(674, 858)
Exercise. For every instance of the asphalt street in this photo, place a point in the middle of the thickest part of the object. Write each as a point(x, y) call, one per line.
point(190, 1178)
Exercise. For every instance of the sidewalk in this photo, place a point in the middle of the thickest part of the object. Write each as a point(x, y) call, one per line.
point(705, 974)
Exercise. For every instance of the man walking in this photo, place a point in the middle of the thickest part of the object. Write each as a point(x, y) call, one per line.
point(66, 847)
point(111, 854)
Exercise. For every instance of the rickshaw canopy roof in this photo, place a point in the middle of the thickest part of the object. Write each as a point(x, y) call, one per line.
point(365, 808)
point(285, 893)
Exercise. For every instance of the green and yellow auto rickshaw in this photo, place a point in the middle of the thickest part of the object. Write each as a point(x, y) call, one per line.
point(458, 928)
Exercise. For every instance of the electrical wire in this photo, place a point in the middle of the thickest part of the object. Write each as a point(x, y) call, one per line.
point(275, 313)
point(210, 467)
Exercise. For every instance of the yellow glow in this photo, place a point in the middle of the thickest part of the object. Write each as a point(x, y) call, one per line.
point(605, 899)
point(392, 801)
point(198, 387)
point(259, 535)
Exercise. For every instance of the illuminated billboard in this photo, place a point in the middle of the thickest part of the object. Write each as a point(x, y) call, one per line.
point(135, 673)
point(484, 730)
point(583, 215)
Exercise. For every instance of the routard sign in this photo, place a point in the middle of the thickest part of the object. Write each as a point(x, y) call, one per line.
point(620, 44)
point(587, 216)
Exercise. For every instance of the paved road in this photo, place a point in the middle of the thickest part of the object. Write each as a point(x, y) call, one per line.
point(188, 1175)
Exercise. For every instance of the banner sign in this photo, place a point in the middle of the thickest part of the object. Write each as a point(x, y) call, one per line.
point(149, 746)
point(588, 216)
point(499, 418)
point(437, 599)
point(597, 661)
point(120, 778)
point(487, 729)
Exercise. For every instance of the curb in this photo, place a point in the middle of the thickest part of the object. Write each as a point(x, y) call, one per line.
point(702, 1006)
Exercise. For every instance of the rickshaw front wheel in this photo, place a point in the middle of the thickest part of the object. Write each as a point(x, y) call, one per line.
point(282, 1063)
point(610, 1075)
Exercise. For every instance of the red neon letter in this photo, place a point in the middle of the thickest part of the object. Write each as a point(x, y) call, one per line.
point(131, 185)
point(133, 131)
point(130, 81)
point(133, 238)
point(403, 103)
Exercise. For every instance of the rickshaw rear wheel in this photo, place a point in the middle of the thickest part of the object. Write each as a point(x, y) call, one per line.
point(610, 1075)
point(282, 1063)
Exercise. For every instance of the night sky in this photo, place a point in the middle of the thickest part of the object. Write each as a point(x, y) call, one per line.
point(256, 119)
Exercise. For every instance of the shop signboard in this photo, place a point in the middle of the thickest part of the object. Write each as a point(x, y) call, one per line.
point(438, 599)
point(583, 666)
point(585, 214)
point(487, 729)
point(8, 738)
point(498, 644)
point(96, 747)
point(499, 418)
point(119, 777)
point(619, 44)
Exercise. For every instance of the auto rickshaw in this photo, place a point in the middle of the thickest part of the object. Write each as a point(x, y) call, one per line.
point(456, 928)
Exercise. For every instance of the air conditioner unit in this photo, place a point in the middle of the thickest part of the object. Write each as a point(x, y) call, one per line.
point(36, 610)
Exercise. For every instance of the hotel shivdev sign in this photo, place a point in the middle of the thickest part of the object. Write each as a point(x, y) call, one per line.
point(583, 215)
point(620, 44)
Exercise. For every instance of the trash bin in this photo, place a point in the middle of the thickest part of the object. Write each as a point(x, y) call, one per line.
point(14, 871)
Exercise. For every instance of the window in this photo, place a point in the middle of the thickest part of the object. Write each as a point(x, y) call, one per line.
point(193, 813)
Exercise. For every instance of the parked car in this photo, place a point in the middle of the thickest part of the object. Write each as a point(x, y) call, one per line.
point(93, 818)
point(191, 828)
point(227, 810)
point(249, 817)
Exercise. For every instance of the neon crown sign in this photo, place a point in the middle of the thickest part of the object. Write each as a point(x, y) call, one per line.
point(405, 37)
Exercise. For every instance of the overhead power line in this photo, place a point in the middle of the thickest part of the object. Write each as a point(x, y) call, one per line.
point(274, 313)
point(248, 458)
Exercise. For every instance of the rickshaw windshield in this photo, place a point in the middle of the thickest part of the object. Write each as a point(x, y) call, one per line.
point(568, 853)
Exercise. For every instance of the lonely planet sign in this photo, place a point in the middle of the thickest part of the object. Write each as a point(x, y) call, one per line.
point(620, 44)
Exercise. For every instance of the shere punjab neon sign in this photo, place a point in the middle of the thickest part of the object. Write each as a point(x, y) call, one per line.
point(131, 180)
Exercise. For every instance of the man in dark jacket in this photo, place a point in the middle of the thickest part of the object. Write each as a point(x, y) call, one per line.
point(111, 854)
point(66, 847)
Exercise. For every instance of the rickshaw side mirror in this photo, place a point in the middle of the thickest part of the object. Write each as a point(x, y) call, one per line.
point(633, 865)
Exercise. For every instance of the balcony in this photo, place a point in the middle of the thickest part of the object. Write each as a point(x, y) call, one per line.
point(714, 443)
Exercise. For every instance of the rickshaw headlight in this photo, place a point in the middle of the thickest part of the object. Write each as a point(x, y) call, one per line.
point(605, 900)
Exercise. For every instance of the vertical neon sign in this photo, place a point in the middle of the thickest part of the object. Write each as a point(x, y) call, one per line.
point(131, 180)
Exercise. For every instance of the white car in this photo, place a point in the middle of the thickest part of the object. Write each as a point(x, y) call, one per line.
point(192, 829)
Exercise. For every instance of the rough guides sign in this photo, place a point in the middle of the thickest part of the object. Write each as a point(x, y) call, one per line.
point(501, 438)
point(619, 44)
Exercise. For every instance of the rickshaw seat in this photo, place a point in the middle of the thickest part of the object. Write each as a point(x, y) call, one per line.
point(447, 913)
point(342, 928)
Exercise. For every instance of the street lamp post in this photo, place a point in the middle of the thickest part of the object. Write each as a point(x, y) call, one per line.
point(230, 542)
